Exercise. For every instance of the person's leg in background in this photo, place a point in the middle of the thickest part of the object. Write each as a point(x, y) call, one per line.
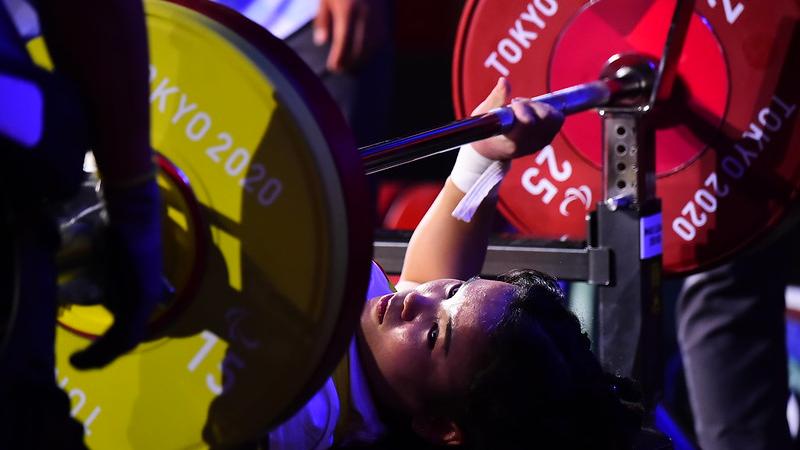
point(731, 330)
point(364, 92)
point(31, 401)
point(34, 412)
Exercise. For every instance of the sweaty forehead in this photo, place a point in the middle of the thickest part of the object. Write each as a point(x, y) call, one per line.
point(436, 285)
point(465, 323)
point(475, 311)
point(479, 304)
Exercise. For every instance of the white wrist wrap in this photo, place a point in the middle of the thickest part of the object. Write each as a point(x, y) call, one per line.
point(478, 177)
point(468, 168)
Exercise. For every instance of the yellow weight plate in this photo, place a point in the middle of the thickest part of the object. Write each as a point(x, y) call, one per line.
point(285, 212)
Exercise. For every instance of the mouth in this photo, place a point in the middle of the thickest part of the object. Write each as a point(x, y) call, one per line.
point(381, 307)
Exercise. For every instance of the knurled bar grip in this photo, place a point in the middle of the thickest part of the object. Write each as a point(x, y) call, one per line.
point(396, 152)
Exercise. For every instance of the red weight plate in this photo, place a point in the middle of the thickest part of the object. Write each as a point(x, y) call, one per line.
point(726, 174)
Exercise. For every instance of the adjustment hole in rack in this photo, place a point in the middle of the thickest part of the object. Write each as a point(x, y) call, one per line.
point(621, 166)
point(621, 184)
point(621, 149)
point(620, 131)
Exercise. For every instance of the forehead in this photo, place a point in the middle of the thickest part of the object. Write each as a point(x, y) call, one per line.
point(477, 301)
point(475, 311)
point(479, 304)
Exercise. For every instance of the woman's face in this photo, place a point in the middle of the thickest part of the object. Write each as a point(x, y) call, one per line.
point(427, 343)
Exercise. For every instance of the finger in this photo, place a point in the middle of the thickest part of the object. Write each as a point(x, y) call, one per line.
point(524, 112)
point(105, 349)
point(322, 24)
point(342, 38)
point(550, 121)
point(506, 92)
point(524, 132)
point(551, 118)
point(498, 97)
point(546, 112)
point(129, 328)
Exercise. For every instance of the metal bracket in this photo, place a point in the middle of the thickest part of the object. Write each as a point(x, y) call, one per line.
point(571, 261)
point(629, 222)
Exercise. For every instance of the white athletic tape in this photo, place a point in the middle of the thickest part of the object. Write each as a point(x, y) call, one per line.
point(476, 176)
point(468, 168)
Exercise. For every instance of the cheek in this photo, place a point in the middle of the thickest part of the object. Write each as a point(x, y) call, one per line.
point(396, 352)
point(396, 342)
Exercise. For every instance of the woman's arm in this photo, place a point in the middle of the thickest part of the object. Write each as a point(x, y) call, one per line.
point(444, 247)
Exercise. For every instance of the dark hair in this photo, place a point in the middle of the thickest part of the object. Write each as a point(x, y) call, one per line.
point(543, 387)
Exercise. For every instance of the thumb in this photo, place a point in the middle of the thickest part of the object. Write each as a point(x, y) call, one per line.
point(498, 97)
point(105, 349)
point(322, 24)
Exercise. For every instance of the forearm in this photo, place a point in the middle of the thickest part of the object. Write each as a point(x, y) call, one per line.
point(444, 247)
point(102, 46)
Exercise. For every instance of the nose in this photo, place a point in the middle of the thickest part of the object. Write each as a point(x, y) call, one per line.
point(414, 304)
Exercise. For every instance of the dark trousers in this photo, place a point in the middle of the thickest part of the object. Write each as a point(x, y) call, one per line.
point(731, 331)
point(364, 94)
point(34, 412)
